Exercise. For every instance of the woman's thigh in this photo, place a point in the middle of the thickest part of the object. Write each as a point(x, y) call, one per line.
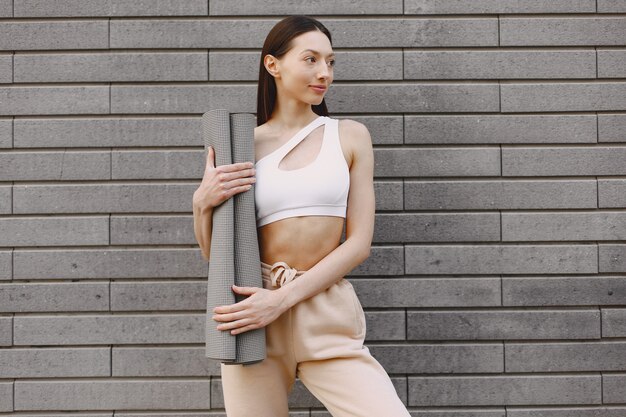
point(261, 389)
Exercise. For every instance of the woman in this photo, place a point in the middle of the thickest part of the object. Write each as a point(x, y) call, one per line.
point(313, 171)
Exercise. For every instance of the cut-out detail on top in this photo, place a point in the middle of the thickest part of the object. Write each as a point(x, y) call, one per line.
point(305, 152)
point(298, 134)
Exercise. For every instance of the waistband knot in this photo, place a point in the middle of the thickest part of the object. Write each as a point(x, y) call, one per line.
point(281, 273)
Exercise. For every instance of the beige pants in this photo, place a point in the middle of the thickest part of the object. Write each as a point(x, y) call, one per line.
point(320, 341)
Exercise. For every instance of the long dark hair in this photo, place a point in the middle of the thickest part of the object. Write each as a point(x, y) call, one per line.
point(278, 43)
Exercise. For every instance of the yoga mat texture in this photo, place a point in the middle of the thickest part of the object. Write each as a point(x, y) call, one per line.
point(234, 257)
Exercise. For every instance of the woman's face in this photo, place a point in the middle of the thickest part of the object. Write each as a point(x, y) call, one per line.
point(309, 63)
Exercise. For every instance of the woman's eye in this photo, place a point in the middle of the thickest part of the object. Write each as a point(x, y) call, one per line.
point(332, 63)
point(310, 58)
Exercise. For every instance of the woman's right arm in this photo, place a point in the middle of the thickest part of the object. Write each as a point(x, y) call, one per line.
point(202, 227)
point(218, 184)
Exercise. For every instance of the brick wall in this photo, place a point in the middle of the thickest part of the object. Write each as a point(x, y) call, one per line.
point(497, 281)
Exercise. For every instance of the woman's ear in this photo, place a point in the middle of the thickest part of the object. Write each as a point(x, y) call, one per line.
point(271, 65)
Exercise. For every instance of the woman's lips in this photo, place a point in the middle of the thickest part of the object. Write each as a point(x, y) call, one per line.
point(318, 89)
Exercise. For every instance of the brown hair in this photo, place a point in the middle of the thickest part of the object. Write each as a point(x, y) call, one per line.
point(278, 43)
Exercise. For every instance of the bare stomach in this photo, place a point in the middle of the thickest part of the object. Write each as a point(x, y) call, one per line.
point(301, 242)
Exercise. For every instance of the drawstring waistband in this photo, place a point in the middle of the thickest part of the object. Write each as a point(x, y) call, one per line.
point(279, 273)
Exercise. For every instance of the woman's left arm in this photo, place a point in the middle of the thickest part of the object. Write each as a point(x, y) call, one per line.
point(359, 223)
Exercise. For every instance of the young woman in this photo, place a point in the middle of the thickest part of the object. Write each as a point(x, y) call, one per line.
point(311, 173)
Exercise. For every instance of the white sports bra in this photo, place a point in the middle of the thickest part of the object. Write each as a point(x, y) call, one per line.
point(319, 188)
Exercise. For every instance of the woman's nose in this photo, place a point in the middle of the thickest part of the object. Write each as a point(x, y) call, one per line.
point(324, 71)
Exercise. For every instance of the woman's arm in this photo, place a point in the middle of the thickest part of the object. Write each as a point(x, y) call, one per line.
point(359, 222)
point(218, 184)
point(202, 227)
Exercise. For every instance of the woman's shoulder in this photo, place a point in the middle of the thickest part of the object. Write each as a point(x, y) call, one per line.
point(354, 132)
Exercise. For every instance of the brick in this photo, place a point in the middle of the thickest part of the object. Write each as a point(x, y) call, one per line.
point(563, 291)
point(108, 132)
point(501, 259)
point(104, 67)
point(182, 98)
point(500, 7)
point(109, 263)
point(349, 65)
point(439, 227)
point(6, 331)
point(27, 100)
point(103, 198)
point(6, 200)
point(384, 130)
point(571, 31)
point(55, 363)
point(74, 414)
point(611, 127)
point(500, 194)
point(172, 414)
point(388, 195)
point(504, 324)
point(6, 396)
point(383, 261)
point(6, 8)
point(611, 63)
point(611, 258)
point(427, 292)
point(6, 264)
point(6, 75)
point(385, 325)
point(347, 33)
point(188, 33)
point(500, 63)
point(611, 193)
point(613, 322)
point(89, 329)
point(72, 8)
point(569, 96)
point(162, 362)
point(158, 295)
point(504, 390)
point(567, 412)
point(54, 296)
point(565, 357)
point(52, 35)
point(413, 32)
point(596, 225)
point(562, 161)
point(59, 166)
point(319, 7)
point(501, 128)
point(611, 6)
point(112, 394)
point(613, 388)
point(440, 358)
point(166, 164)
point(427, 162)
point(152, 230)
point(414, 97)
point(6, 128)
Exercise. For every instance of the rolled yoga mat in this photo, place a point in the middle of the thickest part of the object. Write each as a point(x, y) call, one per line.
point(235, 257)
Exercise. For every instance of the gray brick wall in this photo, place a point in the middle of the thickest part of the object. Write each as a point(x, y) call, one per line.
point(497, 281)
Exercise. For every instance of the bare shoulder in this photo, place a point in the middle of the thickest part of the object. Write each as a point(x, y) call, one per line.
point(355, 130)
point(355, 139)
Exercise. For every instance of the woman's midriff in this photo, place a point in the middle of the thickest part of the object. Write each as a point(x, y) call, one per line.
point(300, 241)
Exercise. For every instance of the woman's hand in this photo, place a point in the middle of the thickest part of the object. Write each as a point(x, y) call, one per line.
point(222, 182)
point(262, 307)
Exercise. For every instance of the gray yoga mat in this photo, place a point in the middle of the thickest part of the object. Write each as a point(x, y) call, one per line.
point(234, 257)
